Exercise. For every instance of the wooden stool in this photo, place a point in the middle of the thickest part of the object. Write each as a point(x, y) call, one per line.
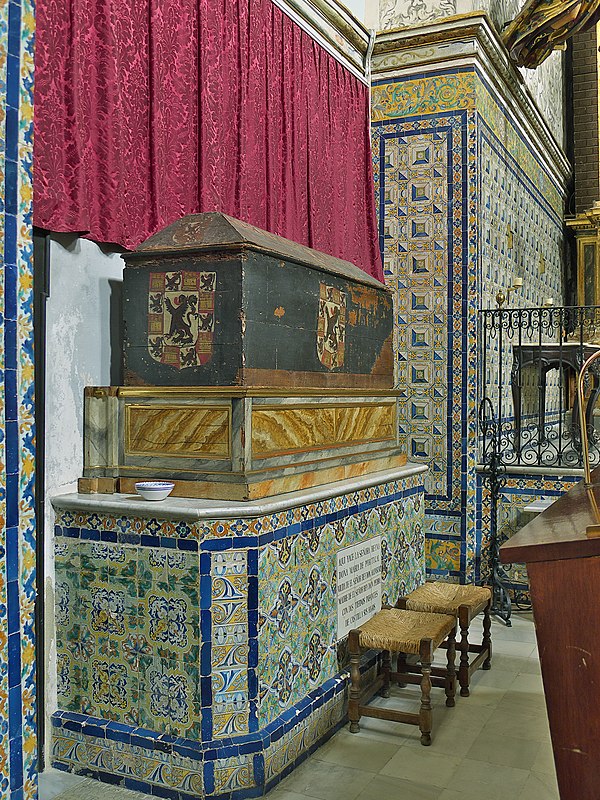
point(409, 632)
point(465, 603)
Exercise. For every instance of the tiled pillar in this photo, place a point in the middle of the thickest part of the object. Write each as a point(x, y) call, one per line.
point(470, 190)
point(17, 524)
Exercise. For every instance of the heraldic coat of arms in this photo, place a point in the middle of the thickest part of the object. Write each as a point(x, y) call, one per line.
point(181, 317)
point(331, 326)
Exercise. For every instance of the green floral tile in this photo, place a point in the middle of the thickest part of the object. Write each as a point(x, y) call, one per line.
point(122, 561)
point(152, 567)
point(108, 606)
point(107, 647)
point(351, 532)
point(93, 564)
point(183, 569)
point(67, 558)
point(170, 621)
point(308, 544)
point(328, 541)
point(134, 648)
point(112, 685)
point(170, 698)
point(67, 603)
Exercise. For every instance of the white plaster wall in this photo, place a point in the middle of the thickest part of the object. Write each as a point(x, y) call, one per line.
point(82, 327)
point(357, 7)
point(372, 14)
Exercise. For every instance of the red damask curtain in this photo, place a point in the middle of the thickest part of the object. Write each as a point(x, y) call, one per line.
point(146, 110)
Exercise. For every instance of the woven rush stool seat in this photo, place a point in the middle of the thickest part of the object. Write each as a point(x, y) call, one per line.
point(414, 632)
point(465, 603)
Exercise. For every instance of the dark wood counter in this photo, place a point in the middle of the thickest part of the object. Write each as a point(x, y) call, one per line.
point(563, 565)
point(559, 531)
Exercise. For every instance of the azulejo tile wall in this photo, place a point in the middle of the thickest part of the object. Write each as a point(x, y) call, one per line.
point(452, 174)
point(18, 756)
point(297, 592)
point(201, 658)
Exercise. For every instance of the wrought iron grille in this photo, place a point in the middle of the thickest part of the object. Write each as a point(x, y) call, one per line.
point(528, 363)
point(529, 359)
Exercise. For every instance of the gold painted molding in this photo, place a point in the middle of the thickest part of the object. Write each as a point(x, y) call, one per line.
point(232, 391)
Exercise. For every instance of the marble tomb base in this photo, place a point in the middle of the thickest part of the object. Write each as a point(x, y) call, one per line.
point(234, 443)
point(197, 640)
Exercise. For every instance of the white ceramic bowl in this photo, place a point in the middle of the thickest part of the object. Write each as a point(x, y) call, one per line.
point(154, 490)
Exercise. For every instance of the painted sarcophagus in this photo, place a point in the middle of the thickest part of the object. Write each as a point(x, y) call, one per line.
point(212, 301)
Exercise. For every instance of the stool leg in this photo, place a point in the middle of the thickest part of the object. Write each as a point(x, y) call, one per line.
point(386, 666)
point(486, 642)
point(401, 661)
point(425, 712)
point(451, 670)
point(463, 669)
point(354, 695)
point(401, 667)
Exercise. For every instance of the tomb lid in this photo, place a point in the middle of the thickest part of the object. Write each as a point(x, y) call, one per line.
point(215, 231)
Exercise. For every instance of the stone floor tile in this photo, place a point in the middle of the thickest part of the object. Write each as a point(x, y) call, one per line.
point(382, 730)
point(504, 751)
point(478, 780)
point(352, 750)
point(532, 665)
point(529, 703)
point(90, 789)
point(279, 793)
point(450, 741)
point(514, 663)
point(316, 778)
point(507, 722)
point(497, 678)
point(424, 765)
point(507, 647)
point(530, 684)
point(540, 787)
point(464, 718)
point(525, 634)
point(383, 787)
point(544, 761)
point(482, 695)
point(53, 782)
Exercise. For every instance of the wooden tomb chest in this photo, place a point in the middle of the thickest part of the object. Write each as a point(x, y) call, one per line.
point(212, 301)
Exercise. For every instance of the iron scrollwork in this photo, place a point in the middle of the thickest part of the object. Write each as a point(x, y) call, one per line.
point(494, 477)
point(529, 411)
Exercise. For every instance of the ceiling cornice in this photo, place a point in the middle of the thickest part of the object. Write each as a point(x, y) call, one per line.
point(335, 28)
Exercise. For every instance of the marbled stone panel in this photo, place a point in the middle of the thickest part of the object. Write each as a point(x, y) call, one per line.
point(190, 432)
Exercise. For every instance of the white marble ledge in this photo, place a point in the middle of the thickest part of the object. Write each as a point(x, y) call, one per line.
point(193, 510)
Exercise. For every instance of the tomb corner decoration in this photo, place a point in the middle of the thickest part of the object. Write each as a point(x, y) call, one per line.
point(545, 25)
